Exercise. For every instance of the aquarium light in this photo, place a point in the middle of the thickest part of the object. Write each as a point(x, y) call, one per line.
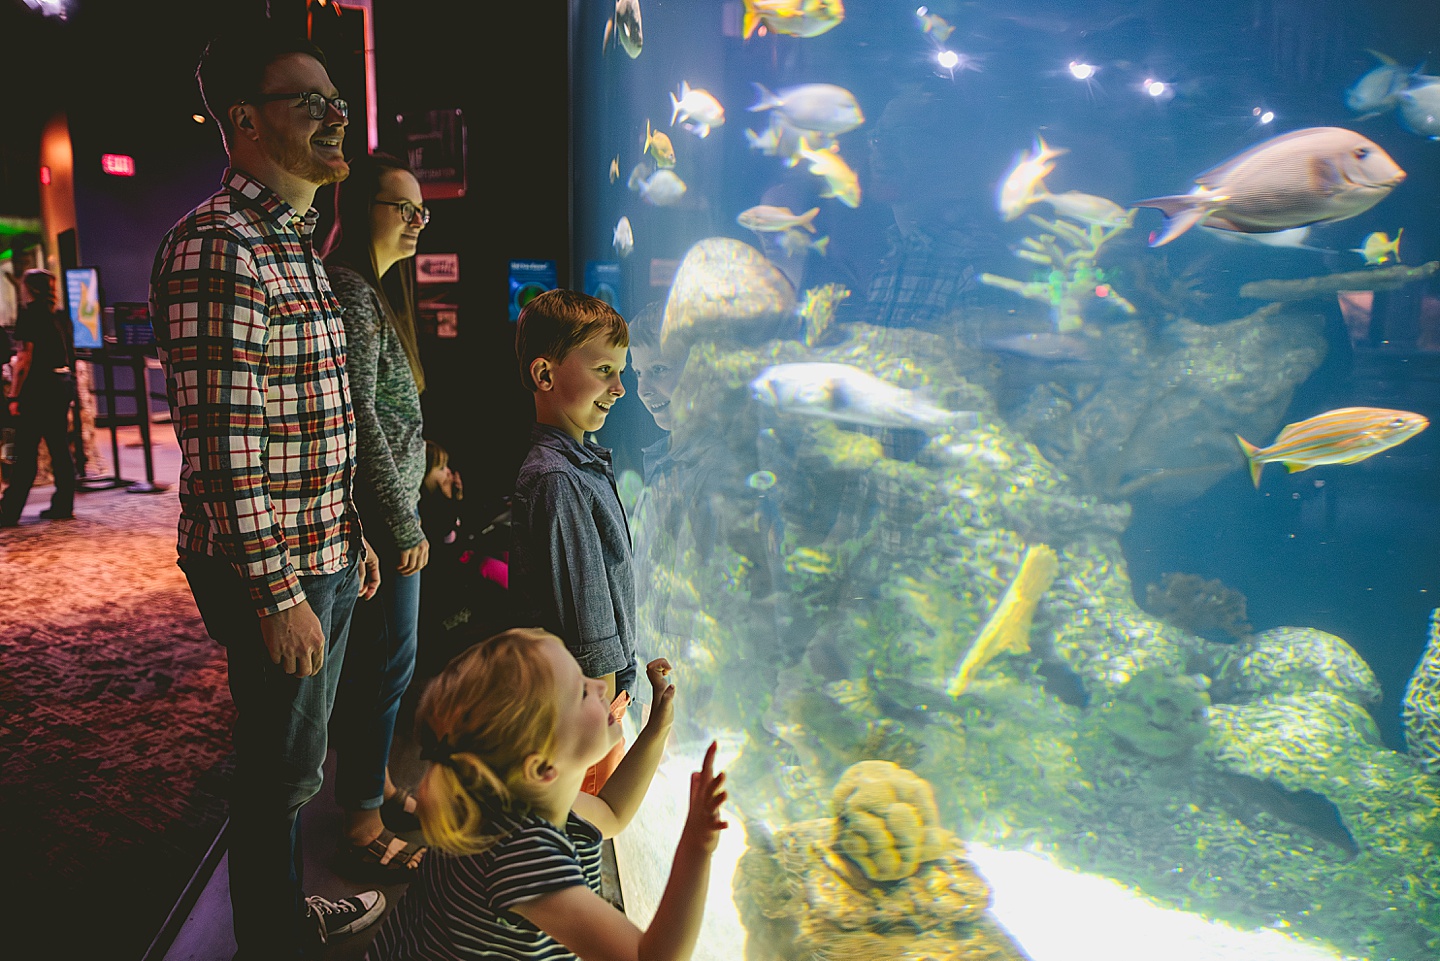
point(1082, 71)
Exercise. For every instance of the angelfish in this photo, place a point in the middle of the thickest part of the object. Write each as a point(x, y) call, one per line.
point(1342, 436)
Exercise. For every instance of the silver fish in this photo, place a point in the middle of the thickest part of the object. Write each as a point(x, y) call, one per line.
point(820, 107)
point(663, 188)
point(1309, 176)
point(1087, 208)
point(624, 237)
point(1420, 107)
point(624, 27)
point(1379, 90)
point(696, 110)
point(1047, 346)
point(847, 394)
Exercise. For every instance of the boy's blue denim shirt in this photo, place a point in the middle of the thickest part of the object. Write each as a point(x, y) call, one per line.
point(571, 570)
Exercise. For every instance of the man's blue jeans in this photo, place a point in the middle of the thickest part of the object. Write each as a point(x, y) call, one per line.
point(280, 747)
point(378, 667)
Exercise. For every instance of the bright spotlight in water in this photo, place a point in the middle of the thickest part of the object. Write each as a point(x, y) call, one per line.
point(948, 60)
point(1081, 71)
point(1156, 88)
point(1267, 116)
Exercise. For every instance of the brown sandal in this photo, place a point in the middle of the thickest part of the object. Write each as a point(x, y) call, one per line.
point(374, 862)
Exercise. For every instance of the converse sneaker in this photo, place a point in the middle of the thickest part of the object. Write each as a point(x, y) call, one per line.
point(336, 919)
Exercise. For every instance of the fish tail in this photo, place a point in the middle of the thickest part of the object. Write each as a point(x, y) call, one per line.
point(1256, 465)
point(764, 99)
point(808, 220)
point(1395, 244)
point(1182, 211)
point(674, 108)
point(820, 245)
point(751, 21)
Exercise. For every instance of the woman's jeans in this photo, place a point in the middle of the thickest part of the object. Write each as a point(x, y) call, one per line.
point(280, 747)
point(378, 668)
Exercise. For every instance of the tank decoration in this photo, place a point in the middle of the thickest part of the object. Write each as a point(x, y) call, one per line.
point(1290, 660)
point(886, 821)
point(1422, 702)
point(802, 897)
point(1376, 278)
point(1008, 628)
point(817, 311)
point(1200, 605)
point(1070, 279)
point(1158, 714)
point(728, 283)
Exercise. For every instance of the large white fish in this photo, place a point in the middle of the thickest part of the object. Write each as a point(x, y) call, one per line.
point(663, 188)
point(624, 237)
point(1309, 176)
point(624, 27)
point(821, 107)
point(1379, 90)
point(1025, 182)
point(696, 110)
point(1420, 107)
point(847, 394)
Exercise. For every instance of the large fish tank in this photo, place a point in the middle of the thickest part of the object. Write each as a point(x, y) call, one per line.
point(1001, 528)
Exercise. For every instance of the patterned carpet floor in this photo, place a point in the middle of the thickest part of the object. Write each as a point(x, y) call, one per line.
point(114, 721)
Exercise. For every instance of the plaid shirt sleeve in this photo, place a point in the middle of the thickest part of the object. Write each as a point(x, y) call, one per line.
point(212, 306)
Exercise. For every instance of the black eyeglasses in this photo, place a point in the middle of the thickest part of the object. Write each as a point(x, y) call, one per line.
point(316, 102)
point(409, 210)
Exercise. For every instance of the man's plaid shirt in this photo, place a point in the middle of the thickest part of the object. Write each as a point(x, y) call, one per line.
point(254, 354)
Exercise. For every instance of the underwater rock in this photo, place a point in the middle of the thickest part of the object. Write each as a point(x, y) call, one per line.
point(1162, 426)
point(1293, 660)
point(1422, 702)
point(1379, 278)
point(1158, 714)
point(1204, 607)
point(730, 285)
point(801, 898)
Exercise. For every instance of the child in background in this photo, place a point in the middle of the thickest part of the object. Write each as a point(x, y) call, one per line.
point(511, 727)
point(570, 565)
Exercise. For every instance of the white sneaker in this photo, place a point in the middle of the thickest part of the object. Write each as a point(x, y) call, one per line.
point(337, 919)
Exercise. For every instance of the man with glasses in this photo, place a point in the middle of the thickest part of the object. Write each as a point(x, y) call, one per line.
point(269, 537)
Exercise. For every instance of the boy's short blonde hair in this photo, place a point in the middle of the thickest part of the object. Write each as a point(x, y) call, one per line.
point(558, 321)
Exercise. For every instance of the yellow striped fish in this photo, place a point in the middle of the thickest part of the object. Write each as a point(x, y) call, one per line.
point(1342, 436)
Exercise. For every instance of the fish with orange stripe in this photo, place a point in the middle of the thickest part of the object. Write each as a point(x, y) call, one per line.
point(1342, 436)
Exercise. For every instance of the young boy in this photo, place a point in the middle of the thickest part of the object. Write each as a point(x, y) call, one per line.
point(570, 563)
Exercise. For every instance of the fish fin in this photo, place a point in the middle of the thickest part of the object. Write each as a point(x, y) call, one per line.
point(820, 245)
point(765, 99)
point(750, 22)
point(1296, 466)
point(1388, 61)
point(610, 31)
point(1256, 465)
point(809, 215)
point(1329, 179)
point(1182, 212)
point(674, 108)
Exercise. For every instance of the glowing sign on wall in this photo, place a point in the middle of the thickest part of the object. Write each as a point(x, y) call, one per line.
point(117, 164)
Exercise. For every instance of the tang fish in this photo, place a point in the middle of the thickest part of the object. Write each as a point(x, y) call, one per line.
point(1342, 436)
point(1027, 176)
point(1379, 90)
point(1088, 208)
point(696, 110)
point(1378, 247)
point(624, 237)
point(819, 107)
point(663, 188)
point(1309, 176)
point(1420, 107)
point(795, 18)
point(847, 394)
point(795, 242)
point(764, 218)
point(934, 24)
point(624, 27)
point(658, 145)
point(840, 181)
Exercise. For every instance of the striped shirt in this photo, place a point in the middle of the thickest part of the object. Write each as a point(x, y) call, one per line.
point(254, 355)
point(459, 907)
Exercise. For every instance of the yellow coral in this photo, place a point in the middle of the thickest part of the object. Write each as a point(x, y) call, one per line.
point(886, 821)
point(1008, 629)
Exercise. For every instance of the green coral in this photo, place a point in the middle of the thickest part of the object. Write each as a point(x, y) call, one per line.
point(1201, 606)
point(1069, 278)
point(1158, 714)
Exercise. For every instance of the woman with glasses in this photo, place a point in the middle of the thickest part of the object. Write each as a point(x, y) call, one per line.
point(369, 257)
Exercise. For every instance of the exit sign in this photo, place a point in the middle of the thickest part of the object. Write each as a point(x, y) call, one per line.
point(117, 164)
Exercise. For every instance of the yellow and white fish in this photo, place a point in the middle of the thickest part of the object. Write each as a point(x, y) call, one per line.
point(615, 168)
point(658, 145)
point(840, 181)
point(934, 24)
point(696, 110)
point(1377, 248)
point(795, 18)
point(1342, 436)
point(795, 242)
point(1025, 181)
point(764, 218)
point(624, 237)
point(624, 27)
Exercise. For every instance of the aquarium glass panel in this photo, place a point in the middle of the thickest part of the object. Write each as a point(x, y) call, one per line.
point(1026, 458)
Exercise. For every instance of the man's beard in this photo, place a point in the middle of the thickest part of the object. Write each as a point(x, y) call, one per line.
point(301, 161)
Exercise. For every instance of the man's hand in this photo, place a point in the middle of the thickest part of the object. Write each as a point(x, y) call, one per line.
point(295, 640)
point(370, 582)
point(413, 559)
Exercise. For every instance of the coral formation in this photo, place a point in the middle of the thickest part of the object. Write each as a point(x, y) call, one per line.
point(1008, 628)
point(1158, 714)
point(886, 821)
point(1201, 606)
point(1071, 279)
point(1422, 702)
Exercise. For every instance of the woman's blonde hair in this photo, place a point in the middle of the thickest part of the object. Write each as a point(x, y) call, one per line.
point(490, 708)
